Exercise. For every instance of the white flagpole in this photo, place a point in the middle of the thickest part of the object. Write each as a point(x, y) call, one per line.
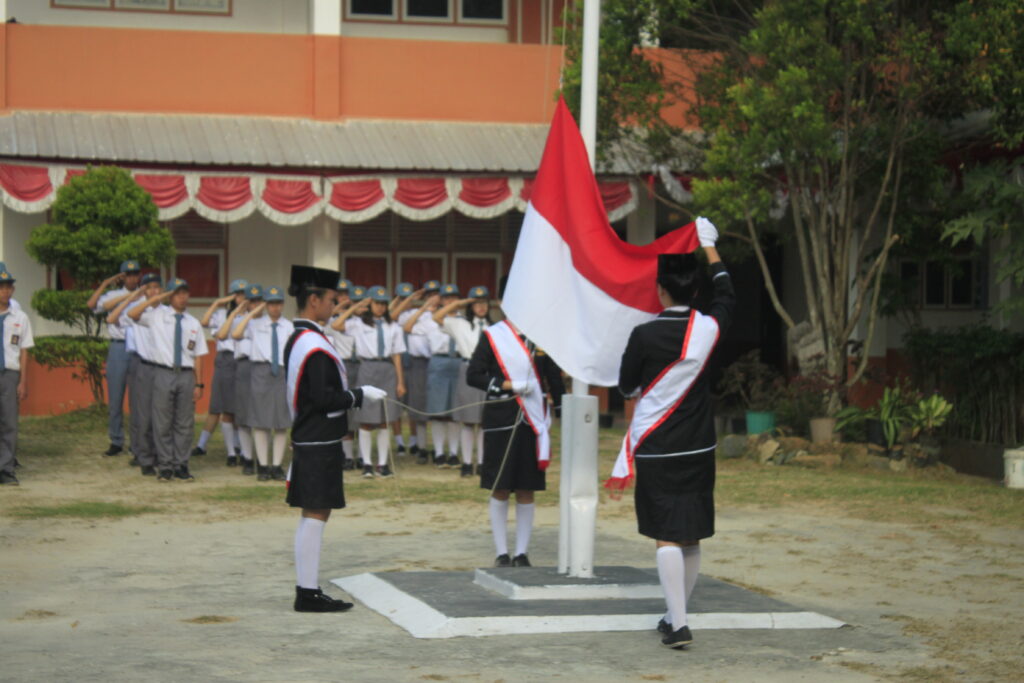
point(579, 490)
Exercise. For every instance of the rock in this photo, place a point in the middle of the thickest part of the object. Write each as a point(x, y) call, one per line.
point(767, 450)
point(732, 446)
point(898, 465)
point(785, 456)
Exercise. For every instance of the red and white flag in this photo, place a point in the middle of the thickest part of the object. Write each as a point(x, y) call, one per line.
point(575, 288)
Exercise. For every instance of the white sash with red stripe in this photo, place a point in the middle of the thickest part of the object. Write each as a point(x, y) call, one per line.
point(517, 365)
point(306, 344)
point(665, 393)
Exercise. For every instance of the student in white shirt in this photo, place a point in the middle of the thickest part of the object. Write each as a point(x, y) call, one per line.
point(13, 304)
point(345, 345)
point(442, 376)
point(269, 416)
point(379, 344)
point(418, 326)
point(117, 356)
point(243, 371)
point(16, 340)
point(466, 330)
point(178, 350)
point(140, 375)
point(222, 390)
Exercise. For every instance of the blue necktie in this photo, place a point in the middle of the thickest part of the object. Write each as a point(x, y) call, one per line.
point(380, 338)
point(177, 340)
point(275, 366)
point(3, 343)
point(451, 346)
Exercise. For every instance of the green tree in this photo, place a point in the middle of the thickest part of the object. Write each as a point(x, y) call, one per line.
point(841, 106)
point(99, 219)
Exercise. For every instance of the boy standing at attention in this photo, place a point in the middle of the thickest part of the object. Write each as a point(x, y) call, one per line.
point(16, 337)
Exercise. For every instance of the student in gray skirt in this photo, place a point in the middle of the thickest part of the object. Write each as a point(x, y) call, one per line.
point(243, 369)
point(268, 407)
point(222, 394)
point(418, 328)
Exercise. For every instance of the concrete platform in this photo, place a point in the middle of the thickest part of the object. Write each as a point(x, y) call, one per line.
point(451, 604)
point(545, 583)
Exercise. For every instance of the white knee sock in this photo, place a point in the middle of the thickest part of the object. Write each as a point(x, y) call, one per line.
point(672, 573)
point(414, 434)
point(453, 438)
point(308, 539)
point(346, 448)
point(437, 434)
point(499, 522)
point(245, 436)
point(261, 439)
point(466, 437)
point(400, 440)
point(365, 446)
point(204, 438)
point(228, 430)
point(524, 525)
point(280, 444)
point(480, 445)
point(421, 434)
point(383, 446)
point(691, 565)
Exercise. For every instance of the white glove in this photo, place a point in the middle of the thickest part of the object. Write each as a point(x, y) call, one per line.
point(707, 233)
point(372, 393)
point(521, 387)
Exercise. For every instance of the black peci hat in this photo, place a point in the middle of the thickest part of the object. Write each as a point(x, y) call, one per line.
point(308, 277)
point(679, 265)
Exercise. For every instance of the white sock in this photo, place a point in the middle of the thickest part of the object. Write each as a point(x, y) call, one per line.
point(245, 436)
point(383, 446)
point(400, 440)
point(437, 433)
point(499, 523)
point(308, 539)
point(228, 430)
point(453, 438)
point(280, 444)
point(261, 439)
point(421, 434)
point(204, 437)
point(524, 525)
point(466, 437)
point(480, 445)
point(346, 448)
point(691, 566)
point(413, 436)
point(672, 573)
point(365, 447)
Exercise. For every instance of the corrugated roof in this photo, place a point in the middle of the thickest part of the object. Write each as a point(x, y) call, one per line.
point(251, 141)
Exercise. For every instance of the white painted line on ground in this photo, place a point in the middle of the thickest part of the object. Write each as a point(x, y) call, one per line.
point(412, 614)
point(609, 591)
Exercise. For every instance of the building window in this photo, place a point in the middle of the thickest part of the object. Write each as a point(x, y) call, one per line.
point(377, 9)
point(427, 9)
point(947, 284)
point(448, 11)
point(208, 7)
point(482, 10)
point(202, 271)
point(202, 253)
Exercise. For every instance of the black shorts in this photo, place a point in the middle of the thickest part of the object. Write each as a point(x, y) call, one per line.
point(675, 498)
point(315, 479)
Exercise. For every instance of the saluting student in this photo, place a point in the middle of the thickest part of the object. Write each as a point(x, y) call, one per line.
point(442, 380)
point(671, 439)
point(178, 350)
point(268, 415)
point(243, 374)
point(466, 331)
point(517, 442)
point(102, 301)
point(16, 338)
point(140, 376)
point(379, 344)
point(418, 326)
point(222, 390)
point(345, 346)
point(14, 305)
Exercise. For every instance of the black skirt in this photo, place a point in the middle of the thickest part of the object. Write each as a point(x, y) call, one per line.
point(520, 472)
point(315, 479)
point(675, 497)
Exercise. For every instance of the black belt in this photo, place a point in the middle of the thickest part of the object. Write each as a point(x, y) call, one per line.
point(167, 367)
point(446, 355)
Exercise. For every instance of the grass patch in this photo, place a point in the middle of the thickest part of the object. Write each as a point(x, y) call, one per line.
point(244, 494)
point(80, 509)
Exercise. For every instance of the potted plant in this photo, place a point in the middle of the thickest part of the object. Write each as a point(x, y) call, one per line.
point(755, 385)
point(924, 417)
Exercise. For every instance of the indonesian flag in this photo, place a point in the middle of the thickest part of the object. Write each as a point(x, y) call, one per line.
point(575, 288)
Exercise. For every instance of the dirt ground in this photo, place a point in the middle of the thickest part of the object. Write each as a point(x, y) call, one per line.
point(201, 589)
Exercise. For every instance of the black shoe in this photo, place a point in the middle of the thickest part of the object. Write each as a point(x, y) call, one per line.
point(314, 600)
point(441, 461)
point(183, 474)
point(148, 471)
point(467, 471)
point(521, 560)
point(247, 467)
point(503, 560)
point(277, 474)
point(453, 461)
point(367, 472)
point(198, 451)
point(262, 473)
point(113, 450)
point(232, 461)
point(134, 462)
point(678, 639)
point(8, 479)
point(165, 475)
point(414, 450)
point(349, 465)
point(400, 450)
point(238, 454)
point(383, 471)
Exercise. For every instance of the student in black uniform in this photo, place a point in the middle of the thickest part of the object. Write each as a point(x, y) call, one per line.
point(318, 397)
point(671, 438)
point(517, 446)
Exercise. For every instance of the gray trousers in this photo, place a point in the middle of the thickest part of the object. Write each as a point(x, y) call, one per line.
point(174, 416)
point(140, 399)
point(8, 418)
point(117, 377)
